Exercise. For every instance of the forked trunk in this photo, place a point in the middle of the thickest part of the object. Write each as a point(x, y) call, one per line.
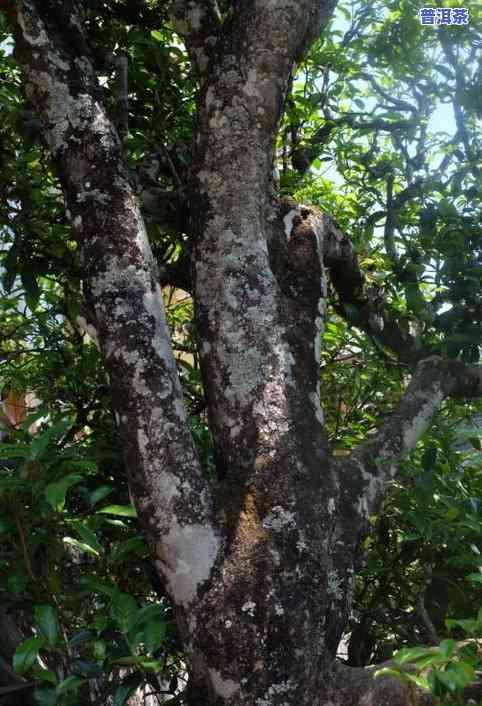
point(260, 568)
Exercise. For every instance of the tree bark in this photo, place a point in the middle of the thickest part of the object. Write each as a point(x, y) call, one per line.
point(261, 568)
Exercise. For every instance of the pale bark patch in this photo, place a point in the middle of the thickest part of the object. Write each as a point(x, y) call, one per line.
point(198, 545)
point(223, 687)
point(416, 426)
point(288, 221)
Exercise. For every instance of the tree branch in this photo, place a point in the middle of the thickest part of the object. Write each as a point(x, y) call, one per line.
point(360, 305)
point(458, 110)
point(120, 281)
point(434, 380)
point(199, 23)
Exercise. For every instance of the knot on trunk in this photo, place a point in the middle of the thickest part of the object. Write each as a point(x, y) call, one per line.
point(300, 249)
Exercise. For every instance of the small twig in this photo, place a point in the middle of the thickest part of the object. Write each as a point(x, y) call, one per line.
point(432, 632)
point(172, 166)
point(26, 554)
point(121, 64)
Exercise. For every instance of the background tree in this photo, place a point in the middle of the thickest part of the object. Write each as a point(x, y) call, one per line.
point(256, 527)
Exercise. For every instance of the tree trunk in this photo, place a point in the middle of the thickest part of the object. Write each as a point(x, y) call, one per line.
point(14, 691)
point(260, 568)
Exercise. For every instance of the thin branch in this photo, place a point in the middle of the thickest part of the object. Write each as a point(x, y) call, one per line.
point(423, 612)
point(389, 230)
point(434, 380)
point(460, 85)
point(358, 303)
point(121, 64)
point(25, 551)
point(365, 472)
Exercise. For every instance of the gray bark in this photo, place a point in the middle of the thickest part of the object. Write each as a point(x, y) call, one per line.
point(261, 568)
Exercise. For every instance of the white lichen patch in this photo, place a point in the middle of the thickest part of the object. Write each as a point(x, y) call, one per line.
point(195, 16)
point(246, 371)
point(249, 608)
point(334, 586)
point(319, 324)
point(315, 401)
point(39, 39)
point(164, 486)
point(225, 688)
point(188, 553)
point(288, 221)
point(58, 61)
point(251, 87)
point(370, 491)
point(154, 306)
point(283, 688)
point(415, 427)
point(89, 330)
point(278, 519)
point(93, 195)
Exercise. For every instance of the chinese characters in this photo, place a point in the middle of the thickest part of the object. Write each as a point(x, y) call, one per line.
point(443, 16)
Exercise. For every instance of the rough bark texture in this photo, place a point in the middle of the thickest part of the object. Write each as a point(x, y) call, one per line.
point(261, 568)
point(14, 690)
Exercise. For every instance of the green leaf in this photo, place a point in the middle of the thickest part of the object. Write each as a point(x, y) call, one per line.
point(122, 694)
point(388, 672)
point(9, 264)
point(45, 675)
point(154, 635)
point(153, 611)
point(47, 622)
point(124, 611)
point(120, 510)
point(446, 648)
point(15, 451)
point(17, 579)
point(56, 492)
point(26, 653)
point(42, 440)
point(6, 524)
point(91, 583)
point(410, 654)
point(80, 637)
point(90, 670)
point(419, 680)
point(81, 546)
point(134, 545)
point(475, 578)
point(429, 457)
point(30, 284)
point(99, 494)
point(89, 537)
point(476, 442)
point(71, 683)
point(128, 660)
point(99, 649)
point(45, 697)
point(151, 665)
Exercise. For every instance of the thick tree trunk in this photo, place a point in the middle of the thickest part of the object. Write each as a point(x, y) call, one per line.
point(260, 569)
